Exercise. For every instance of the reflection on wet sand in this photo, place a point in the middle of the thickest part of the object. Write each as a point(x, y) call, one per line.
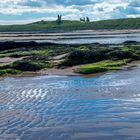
point(81, 37)
point(71, 108)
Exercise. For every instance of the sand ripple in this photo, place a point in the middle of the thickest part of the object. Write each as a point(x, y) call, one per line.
point(71, 108)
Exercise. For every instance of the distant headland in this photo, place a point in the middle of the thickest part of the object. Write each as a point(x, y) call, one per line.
point(83, 23)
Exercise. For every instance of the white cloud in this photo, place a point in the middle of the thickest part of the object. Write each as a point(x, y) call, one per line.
point(71, 9)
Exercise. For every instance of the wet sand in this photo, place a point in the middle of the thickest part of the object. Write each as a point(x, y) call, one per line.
point(74, 37)
point(71, 108)
point(55, 105)
point(8, 60)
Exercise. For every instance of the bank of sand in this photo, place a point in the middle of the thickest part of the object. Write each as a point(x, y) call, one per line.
point(44, 36)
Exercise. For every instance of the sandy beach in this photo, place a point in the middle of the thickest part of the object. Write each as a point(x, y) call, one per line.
point(70, 106)
point(65, 37)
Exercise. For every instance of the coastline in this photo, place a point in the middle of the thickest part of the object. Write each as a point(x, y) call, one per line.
point(14, 51)
point(51, 37)
point(69, 72)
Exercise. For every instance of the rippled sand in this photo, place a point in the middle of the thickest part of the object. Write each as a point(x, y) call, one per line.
point(71, 108)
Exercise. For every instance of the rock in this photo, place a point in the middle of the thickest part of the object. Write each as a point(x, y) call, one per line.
point(130, 42)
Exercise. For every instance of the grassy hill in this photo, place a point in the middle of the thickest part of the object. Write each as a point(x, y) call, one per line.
point(130, 23)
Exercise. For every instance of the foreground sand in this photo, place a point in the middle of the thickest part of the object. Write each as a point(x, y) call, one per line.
point(71, 108)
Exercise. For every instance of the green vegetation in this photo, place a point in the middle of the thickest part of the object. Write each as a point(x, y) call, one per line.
point(99, 57)
point(21, 53)
point(102, 66)
point(96, 54)
point(9, 71)
point(130, 23)
point(28, 65)
point(44, 51)
point(32, 63)
point(34, 59)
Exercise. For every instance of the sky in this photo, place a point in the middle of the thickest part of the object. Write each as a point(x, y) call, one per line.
point(26, 11)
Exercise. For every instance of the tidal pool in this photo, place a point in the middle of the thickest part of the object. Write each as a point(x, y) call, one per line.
point(71, 108)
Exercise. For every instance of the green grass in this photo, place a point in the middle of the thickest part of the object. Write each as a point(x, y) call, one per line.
point(130, 23)
point(102, 66)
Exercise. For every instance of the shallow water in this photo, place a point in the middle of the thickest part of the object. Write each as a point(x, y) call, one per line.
point(73, 37)
point(71, 108)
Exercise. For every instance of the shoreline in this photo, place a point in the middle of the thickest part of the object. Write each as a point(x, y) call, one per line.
point(72, 31)
point(47, 59)
point(43, 38)
point(69, 72)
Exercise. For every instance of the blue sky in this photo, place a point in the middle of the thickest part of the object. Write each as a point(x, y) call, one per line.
point(25, 11)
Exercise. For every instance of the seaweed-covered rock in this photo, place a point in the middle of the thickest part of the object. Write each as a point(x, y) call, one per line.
point(27, 66)
point(130, 42)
